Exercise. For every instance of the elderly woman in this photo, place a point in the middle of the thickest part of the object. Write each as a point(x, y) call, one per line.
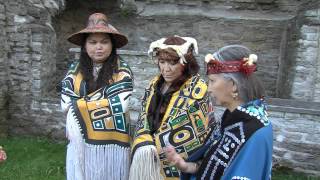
point(173, 110)
point(95, 95)
point(242, 147)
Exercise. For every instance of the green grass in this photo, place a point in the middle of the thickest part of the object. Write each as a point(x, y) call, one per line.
point(32, 159)
point(42, 159)
point(283, 173)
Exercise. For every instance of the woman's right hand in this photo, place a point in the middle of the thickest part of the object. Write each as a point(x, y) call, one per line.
point(179, 162)
point(175, 158)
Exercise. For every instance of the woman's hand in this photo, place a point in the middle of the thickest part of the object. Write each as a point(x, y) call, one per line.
point(179, 162)
point(3, 155)
point(175, 158)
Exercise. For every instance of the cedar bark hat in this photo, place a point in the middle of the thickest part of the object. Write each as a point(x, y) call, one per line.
point(98, 23)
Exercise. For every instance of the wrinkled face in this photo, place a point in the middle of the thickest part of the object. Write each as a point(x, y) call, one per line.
point(221, 89)
point(98, 47)
point(170, 70)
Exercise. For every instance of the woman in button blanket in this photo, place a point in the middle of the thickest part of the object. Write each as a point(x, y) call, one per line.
point(241, 149)
point(174, 110)
point(95, 94)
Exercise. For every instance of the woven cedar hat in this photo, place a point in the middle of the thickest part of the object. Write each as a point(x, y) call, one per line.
point(98, 23)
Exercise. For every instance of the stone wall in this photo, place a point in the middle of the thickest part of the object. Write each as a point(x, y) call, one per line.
point(257, 5)
point(263, 33)
point(300, 71)
point(272, 34)
point(31, 61)
point(304, 72)
point(296, 127)
point(3, 74)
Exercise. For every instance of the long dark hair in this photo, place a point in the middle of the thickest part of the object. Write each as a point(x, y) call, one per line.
point(109, 67)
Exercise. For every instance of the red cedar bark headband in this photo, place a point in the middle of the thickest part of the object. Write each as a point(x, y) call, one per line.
point(246, 66)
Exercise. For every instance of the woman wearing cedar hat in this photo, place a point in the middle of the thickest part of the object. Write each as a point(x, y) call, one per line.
point(241, 149)
point(95, 94)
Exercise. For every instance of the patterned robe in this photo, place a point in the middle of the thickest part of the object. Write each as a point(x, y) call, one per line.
point(97, 127)
point(184, 124)
point(240, 150)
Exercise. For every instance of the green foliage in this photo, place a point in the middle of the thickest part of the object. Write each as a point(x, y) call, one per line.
point(39, 159)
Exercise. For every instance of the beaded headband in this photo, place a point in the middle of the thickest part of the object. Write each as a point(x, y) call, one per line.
point(246, 66)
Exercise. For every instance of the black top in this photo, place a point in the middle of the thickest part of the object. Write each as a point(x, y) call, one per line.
point(159, 103)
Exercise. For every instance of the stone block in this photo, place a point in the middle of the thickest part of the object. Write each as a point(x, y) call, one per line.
point(276, 114)
point(309, 29)
point(36, 73)
point(310, 117)
point(37, 37)
point(36, 84)
point(21, 43)
point(36, 49)
point(243, 1)
point(14, 8)
point(22, 55)
point(2, 17)
point(20, 19)
point(11, 29)
point(3, 131)
point(191, 3)
point(280, 138)
point(313, 138)
point(287, 156)
point(311, 36)
point(19, 77)
point(36, 44)
point(18, 37)
point(291, 116)
point(25, 86)
point(2, 8)
point(279, 152)
point(306, 43)
point(36, 64)
point(36, 92)
point(265, 1)
point(295, 136)
point(36, 57)
point(311, 13)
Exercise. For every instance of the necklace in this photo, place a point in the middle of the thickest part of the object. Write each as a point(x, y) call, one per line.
point(96, 69)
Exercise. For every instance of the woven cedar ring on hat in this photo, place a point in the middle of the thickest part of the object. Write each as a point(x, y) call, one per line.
point(98, 23)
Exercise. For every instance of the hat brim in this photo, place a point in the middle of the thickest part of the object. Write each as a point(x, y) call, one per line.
point(79, 37)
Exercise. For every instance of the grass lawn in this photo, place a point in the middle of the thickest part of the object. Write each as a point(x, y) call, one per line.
point(32, 159)
point(42, 159)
